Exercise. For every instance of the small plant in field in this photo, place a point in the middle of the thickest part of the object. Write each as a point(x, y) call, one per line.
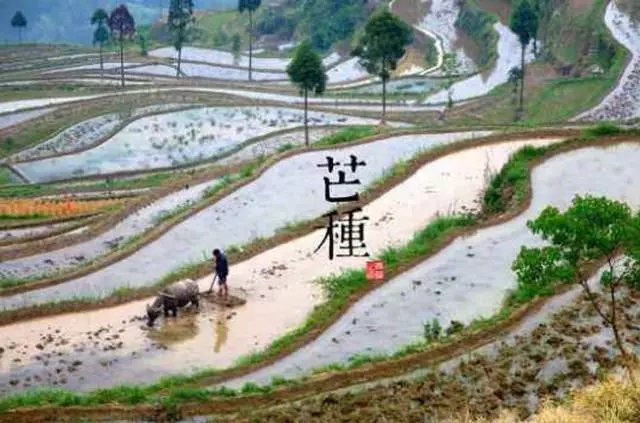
point(432, 330)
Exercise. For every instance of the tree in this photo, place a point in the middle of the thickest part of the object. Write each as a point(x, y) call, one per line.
point(236, 48)
point(382, 46)
point(524, 22)
point(250, 6)
point(180, 17)
point(592, 229)
point(515, 74)
point(450, 66)
point(544, 10)
point(20, 22)
point(307, 71)
point(101, 34)
point(143, 42)
point(122, 25)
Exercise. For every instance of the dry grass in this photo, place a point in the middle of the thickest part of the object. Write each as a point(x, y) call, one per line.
point(614, 400)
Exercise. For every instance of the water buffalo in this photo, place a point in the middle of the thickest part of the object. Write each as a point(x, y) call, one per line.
point(174, 296)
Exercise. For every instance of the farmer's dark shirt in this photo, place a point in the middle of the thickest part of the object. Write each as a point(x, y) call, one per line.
point(222, 267)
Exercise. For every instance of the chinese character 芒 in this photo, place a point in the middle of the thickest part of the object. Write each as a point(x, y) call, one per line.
point(342, 179)
point(348, 232)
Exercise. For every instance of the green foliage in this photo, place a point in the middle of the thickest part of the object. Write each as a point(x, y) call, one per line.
point(121, 23)
point(450, 68)
point(432, 330)
point(100, 35)
point(350, 133)
point(328, 21)
point(603, 129)
point(99, 17)
point(593, 228)
point(143, 42)
point(249, 5)
point(307, 71)
point(18, 20)
point(478, 24)
point(524, 22)
point(512, 177)
point(431, 55)
point(383, 44)
point(178, 20)
point(236, 47)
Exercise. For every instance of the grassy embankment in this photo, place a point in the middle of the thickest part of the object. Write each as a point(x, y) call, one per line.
point(550, 98)
point(508, 189)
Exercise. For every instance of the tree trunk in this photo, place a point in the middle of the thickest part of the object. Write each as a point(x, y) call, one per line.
point(179, 59)
point(306, 121)
point(384, 99)
point(521, 106)
point(250, 41)
point(19, 35)
point(614, 325)
point(122, 59)
point(101, 62)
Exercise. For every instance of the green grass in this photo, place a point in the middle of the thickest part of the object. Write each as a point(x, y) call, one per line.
point(349, 134)
point(6, 176)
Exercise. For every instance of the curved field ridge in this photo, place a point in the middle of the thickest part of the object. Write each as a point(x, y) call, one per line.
point(393, 315)
point(278, 281)
point(77, 254)
point(623, 102)
point(78, 136)
point(255, 210)
point(178, 138)
point(480, 84)
point(225, 58)
point(16, 118)
point(13, 106)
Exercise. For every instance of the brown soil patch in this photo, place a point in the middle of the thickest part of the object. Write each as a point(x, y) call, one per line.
point(411, 11)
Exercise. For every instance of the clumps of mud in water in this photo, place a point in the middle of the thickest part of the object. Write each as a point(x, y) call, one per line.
point(56, 357)
point(571, 350)
point(275, 270)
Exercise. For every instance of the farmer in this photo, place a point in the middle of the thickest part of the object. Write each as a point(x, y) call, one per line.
point(222, 271)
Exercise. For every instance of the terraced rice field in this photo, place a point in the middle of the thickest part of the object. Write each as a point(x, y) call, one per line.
point(447, 208)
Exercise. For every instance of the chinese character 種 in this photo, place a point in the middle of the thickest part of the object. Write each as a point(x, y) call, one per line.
point(350, 234)
point(342, 179)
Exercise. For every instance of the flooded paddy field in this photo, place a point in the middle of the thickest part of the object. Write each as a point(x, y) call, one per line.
point(257, 209)
point(279, 276)
point(178, 138)
point(439, 288)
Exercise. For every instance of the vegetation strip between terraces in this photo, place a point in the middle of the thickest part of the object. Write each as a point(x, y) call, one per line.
point(514, 178)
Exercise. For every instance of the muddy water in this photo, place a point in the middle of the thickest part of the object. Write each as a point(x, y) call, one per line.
point(257, 209)
point(480, 84)
point(624, 101)
point(179, 138)
point(468, 279)
point(77, 254)
point(277, 285)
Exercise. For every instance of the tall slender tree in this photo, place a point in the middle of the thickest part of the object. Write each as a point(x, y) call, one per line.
point(524, 22)
point(307, 71)
point(382, 46)
point(101, 34)
point(122, 25)
point(178, 21)
point(250, 6)
point(20, 22)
